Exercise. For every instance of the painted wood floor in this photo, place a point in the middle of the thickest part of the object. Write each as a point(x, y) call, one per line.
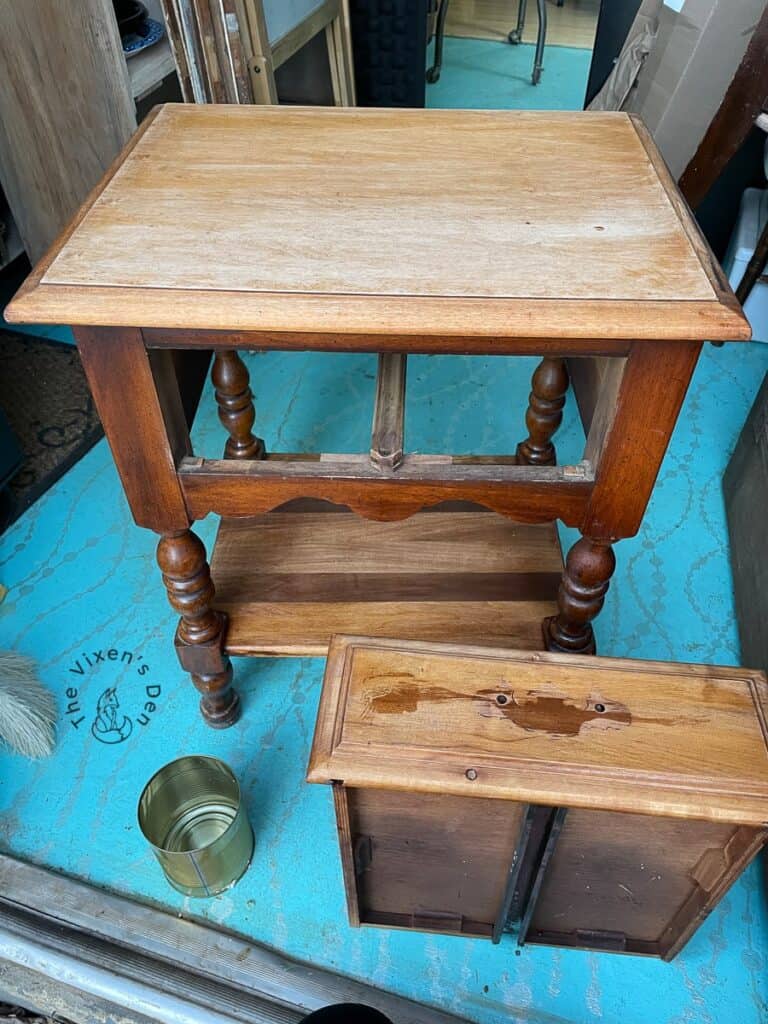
point(85, 600)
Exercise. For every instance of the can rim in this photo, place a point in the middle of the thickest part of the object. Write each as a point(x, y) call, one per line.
point(185, 757)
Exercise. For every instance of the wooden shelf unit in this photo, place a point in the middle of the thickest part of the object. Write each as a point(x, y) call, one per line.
point(149, 69)
point(289, 580)
point(65, 120)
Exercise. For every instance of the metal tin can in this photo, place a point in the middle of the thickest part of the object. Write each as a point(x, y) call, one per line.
point(191, 813)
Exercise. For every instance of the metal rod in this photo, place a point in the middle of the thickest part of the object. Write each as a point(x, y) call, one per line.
point(433, 74)
point(541, 38)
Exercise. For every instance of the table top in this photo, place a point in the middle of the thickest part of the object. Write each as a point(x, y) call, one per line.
point(504, 224)
point(643, 737)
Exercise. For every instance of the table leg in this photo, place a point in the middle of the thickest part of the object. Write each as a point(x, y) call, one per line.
point(516, 35)
point(588, 570)
point(541, 38)
point(545, 413)
point(200, 635)
point(147, 431)
point(235, 401)
point(631, 425)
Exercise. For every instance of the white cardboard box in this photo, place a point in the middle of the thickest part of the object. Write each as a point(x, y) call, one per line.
point(685, 77)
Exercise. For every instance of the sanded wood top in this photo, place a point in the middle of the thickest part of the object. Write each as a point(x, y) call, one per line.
point(647, 737)
point(490, 223)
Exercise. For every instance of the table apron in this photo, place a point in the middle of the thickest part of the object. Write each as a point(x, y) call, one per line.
point(413, 344)
point(227, 492)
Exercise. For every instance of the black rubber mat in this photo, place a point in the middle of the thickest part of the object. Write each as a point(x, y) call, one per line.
point(45, 398)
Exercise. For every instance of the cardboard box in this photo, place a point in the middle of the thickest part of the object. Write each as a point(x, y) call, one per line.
point(683, 79)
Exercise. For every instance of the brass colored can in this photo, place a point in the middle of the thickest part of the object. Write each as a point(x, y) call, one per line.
point(191, 813)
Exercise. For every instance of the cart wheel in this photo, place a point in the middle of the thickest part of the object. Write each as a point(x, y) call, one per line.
point(433, 75)
point(536, 76)
point(514, 37)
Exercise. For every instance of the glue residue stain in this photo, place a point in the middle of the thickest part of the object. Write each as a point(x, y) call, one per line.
point(534, 711)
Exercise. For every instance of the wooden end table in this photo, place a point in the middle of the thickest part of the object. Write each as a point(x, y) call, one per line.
point(387, 231)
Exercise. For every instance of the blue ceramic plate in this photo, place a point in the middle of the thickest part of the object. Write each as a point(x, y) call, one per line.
point(152, 32)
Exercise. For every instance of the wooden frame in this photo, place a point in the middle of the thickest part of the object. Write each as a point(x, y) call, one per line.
point(160, 952)
point(224, 55)
point(536, 494)
point(638, 407)
point(628, 355)
point(604, 496)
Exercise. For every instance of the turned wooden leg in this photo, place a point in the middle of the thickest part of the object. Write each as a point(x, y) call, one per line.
point(235, 401)
point(545, 413)
point(200, 634)
point(588, 570)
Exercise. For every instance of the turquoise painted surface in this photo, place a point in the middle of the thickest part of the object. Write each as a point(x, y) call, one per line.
point(82, 580)
point(484, 74)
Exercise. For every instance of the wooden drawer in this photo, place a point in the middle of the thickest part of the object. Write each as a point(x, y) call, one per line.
point(584, 802)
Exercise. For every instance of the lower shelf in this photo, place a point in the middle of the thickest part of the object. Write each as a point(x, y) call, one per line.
point(290, 580)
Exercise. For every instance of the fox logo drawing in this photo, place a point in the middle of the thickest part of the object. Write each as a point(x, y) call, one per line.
point(109, 725)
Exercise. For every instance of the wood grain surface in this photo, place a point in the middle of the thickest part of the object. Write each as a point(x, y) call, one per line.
point(524, 493)
point(66, 109)
point(289, 580)
point(467, 845)
point(146, 428)
point(448, 222)
point(644, 737)
point(635, 883)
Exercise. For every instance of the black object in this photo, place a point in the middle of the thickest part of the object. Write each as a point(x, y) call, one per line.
point(346, 1013)
point(131, 15)
point(389, 40)
point(11, 457)
point(719, 209)
point(45, 396)
point(613, 24)
point(745, 488)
